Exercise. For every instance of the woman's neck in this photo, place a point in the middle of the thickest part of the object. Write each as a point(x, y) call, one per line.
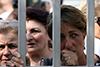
point(82, 60)
point(35, 58)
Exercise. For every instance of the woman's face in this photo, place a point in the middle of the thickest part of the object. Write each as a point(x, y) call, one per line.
point(71, 38)
point(37, 37)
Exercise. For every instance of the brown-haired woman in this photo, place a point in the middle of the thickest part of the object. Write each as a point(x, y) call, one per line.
point(73, 30)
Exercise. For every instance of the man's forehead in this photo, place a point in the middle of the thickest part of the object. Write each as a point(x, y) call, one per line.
point(9, 36)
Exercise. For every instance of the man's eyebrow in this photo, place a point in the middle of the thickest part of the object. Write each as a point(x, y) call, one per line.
point(12, 39)
point(1, 43)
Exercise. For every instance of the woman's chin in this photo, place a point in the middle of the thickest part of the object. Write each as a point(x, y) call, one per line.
point(31, 50)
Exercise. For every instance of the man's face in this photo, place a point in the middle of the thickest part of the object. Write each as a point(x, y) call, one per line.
point(8, 45)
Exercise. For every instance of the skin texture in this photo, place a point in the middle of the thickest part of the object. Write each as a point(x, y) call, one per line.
point(36, 37)
point(8, 45)
point(72, 44)
point(37, 42)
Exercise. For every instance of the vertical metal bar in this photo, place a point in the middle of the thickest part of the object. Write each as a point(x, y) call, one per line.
point(74, 66)
point(60, 66)
point(22, 29)
point(39, 66)
point(90, 29)
point(56, 33)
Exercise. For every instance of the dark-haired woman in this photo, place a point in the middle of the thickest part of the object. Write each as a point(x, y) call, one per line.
point(37, 38)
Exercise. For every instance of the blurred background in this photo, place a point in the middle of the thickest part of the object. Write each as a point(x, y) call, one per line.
point(44, 4)
point(7, 7)
point(40, 3)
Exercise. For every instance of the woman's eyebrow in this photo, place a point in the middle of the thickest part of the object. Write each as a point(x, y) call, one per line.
point(72, 31)
point(34, 28)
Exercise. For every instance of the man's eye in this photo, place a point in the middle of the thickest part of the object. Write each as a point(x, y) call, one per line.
point(2, 46)
point(12, 46)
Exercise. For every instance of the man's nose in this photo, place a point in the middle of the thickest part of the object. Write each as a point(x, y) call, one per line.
point(6, 51)
point(29, 37)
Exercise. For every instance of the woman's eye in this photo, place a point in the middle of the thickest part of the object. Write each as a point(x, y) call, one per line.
point(74, 35)
point(34, 31)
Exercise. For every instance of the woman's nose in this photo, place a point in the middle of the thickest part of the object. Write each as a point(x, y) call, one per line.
point(68, 44)
point(6, 51)
point(29, 37)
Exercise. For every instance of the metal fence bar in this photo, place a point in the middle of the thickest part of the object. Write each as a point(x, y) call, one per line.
point(39, 66)
point(56, 33)
point(90, 29)
point(74, 66)
point(61, 66)
point(22, 29)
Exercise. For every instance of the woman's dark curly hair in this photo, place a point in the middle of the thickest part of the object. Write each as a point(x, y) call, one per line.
point(37, 14)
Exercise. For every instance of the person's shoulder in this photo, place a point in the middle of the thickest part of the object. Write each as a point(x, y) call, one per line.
point(97, 40)
point(4, 15)
point(51, 10)
point(6, 12)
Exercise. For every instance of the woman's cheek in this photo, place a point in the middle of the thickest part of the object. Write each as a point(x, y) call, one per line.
point(38, 36)
point(78, 42)
point(63, 45)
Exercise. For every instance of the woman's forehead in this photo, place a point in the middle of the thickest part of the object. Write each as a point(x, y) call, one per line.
point(65, 27)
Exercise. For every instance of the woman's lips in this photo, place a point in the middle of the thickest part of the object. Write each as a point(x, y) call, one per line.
point(29, 45)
